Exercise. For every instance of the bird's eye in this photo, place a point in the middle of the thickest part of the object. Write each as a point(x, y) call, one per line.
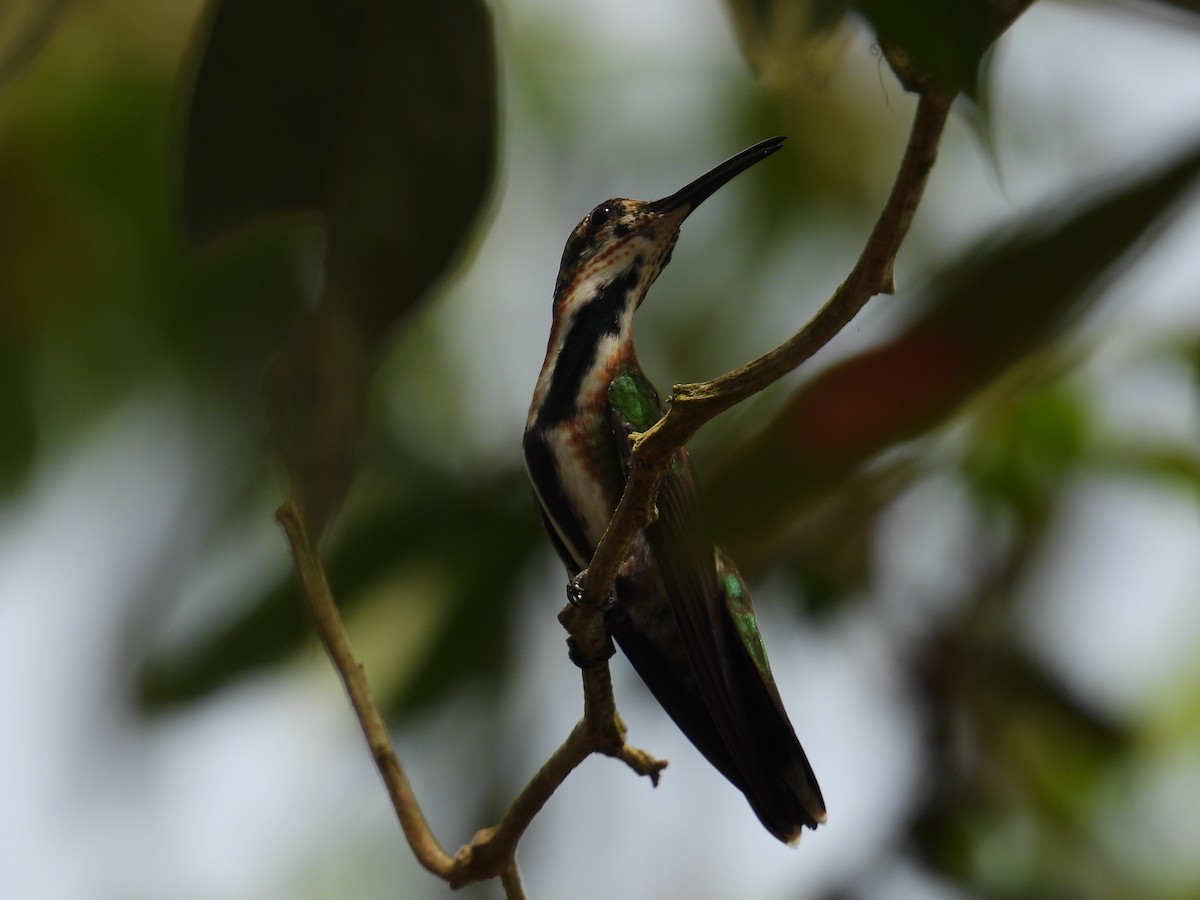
point(601, 216)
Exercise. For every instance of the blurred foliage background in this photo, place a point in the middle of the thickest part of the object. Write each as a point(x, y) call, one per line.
point(249, 231)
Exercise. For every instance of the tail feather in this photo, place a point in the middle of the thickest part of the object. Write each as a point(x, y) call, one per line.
point(686, 623)
point(765, 761)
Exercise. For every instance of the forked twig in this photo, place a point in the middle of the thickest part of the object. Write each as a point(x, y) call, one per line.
point(491, 853)
point(692, 405)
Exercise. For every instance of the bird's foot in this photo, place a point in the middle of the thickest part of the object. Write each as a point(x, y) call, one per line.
point(576, 588)
point(602, 653)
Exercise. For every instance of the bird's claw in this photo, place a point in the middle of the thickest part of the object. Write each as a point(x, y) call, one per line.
point(576, 590)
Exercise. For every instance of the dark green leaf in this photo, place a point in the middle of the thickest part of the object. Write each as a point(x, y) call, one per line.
point(946, 40)
point(1187, 6)
point(378, 116)
point(18, 437)
point(21, 42)
point(272, 86)
point(317, 388)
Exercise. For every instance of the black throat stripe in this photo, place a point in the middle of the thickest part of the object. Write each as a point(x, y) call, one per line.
point(597, 319)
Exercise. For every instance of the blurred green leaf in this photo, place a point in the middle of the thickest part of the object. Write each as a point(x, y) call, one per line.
point(475, 536)
point(831, 550)
point(24, 29)
point(100, 300)
point(380, 118)
point(1011, 748)
point(18, 440)
point(317, 392)
point(1187, 6)
point(1169, 464)
point(272, 84)
point(781, 38)
point(1022, 447)
point(946, 40)
point(1000, 303)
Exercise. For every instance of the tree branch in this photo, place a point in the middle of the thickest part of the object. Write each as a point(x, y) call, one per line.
point(491, 853)
point(692, 405)
point(332, 632)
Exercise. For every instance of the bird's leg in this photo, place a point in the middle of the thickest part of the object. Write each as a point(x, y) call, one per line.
point(576, 589)
point(575, 595)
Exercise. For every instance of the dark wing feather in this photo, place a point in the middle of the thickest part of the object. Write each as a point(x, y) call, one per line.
point(560, 521)
point(719, 697)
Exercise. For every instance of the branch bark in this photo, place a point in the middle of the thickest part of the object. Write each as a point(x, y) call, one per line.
point(692, 405)
point(491, 853)
point(332, 632)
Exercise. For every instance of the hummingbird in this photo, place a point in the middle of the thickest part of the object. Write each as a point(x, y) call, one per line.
point(680, 611)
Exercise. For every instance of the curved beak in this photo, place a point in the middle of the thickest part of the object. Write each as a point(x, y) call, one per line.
point(706, 185)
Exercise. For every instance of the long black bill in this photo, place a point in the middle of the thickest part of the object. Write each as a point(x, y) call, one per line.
point(706, 185)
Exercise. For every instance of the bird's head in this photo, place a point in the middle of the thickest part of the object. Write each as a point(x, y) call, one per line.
point(621, 246)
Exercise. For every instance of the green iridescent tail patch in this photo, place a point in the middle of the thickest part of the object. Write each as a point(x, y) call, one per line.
point(741, 610)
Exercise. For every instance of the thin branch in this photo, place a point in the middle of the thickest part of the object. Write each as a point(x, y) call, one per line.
point(603, 725)
point(692, 405)
point(491, 853)
point(332, 632)
point(510, 878)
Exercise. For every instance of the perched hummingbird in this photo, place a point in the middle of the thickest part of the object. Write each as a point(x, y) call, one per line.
point(680, 612)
